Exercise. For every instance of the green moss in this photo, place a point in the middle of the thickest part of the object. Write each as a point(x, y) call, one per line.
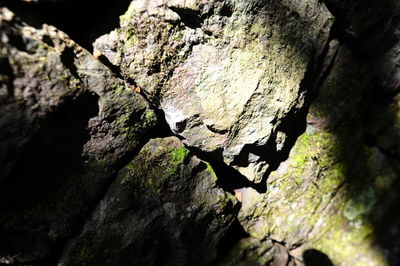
point(179, 155)
point(118, 88)
point(343, 242)
point(155, 167)
point(130, 38)
point(124, 125)
point(305, 183)
point(211, 171)
point(360, 204)
point(315, 152)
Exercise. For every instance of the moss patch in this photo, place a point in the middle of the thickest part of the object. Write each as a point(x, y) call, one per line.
point(154, 167)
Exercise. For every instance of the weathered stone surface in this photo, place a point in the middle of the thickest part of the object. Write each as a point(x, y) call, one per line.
point(234, 79)
point(164, 208)
point(329, 195)
point(66, 124)
point(228, 74)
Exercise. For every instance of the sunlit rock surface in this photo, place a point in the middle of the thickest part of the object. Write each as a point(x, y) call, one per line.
point(292, 108)
point(229, 75)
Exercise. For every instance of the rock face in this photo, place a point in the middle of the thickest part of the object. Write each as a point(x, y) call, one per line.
point(200, 132)
point(66, 123)
point(330, 191)
point(163, 208)
point(228, 74)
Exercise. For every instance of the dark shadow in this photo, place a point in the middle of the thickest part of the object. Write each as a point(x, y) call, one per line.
point(7, 73)
point(365, 124)
point(44, 165)
point(229, 178)
point(83, 21)
point(313, 257)
point(365, 25)
point(53, 154)
point(188, 17)
point(234, 234)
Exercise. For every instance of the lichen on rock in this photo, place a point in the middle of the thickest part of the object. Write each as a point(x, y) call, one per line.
point(228, 76)
point(163, 207)
point(292, 106)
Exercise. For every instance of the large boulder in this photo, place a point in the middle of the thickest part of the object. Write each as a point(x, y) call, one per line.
point(229, 75)
point(164, 208)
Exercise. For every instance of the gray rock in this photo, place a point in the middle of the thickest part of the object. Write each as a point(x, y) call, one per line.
point(228, 74)
point(325, 195)
point(66, 124)
point(163, 208)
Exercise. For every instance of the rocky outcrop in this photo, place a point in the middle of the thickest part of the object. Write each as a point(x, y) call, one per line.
point(132, 155)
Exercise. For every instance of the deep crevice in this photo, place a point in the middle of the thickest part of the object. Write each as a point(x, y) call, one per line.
point(233, 235)
point(189, 17)
point(313, 257)
point(329, 68)
point(67, 58)
point(6, 69)
point(229, 179)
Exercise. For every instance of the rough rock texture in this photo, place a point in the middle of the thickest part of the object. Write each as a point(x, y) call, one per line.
point(292, 106)
point(228, 74)
point(66, 123)
point(163, 209)
point(338, 190)
point(325, 194)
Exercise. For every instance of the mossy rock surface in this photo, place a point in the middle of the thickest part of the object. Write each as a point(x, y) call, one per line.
point(227, 74)
point(164, 207)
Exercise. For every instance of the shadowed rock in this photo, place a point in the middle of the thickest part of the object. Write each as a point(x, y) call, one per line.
point(163, 208)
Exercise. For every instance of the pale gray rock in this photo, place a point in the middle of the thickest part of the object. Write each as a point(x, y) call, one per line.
point(227, 74)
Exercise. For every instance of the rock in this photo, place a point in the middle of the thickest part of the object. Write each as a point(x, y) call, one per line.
point(66, 124)
point(228, 74)
point(250, 251)
point(163, 208)
point(302, 127)
point(325, 195)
